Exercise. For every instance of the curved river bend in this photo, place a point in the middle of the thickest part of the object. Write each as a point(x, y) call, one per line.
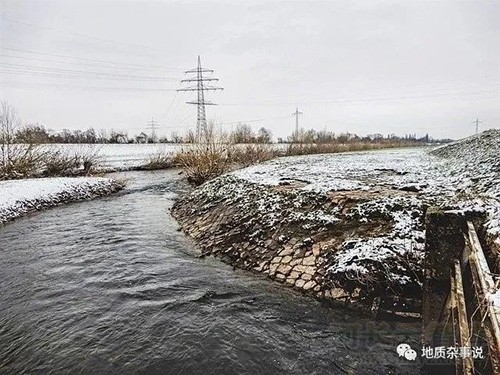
point(111, 287)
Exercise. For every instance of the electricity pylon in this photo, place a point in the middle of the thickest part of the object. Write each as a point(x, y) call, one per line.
point(153, 125)
point(477, 122)
point(297, 114)
point(201, 123)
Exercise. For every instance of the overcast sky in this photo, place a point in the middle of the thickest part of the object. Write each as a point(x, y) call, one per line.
point(363, 67)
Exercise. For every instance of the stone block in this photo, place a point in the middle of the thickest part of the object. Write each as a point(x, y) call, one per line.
point(286, 251)
point(316, 249)
point(276, 260)
point(309, 261)
point(280, 277)
point(306, 276)
point(284, 269)
point(299, 283)
point(300, 268)
point(309, 285)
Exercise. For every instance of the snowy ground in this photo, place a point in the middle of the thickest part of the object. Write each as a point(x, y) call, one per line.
point(119, 156)
point(124, 156)
point(18, 197)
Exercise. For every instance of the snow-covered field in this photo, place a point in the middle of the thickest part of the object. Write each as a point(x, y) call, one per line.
point(18, 197)
point(119, 156)
point(125, 156)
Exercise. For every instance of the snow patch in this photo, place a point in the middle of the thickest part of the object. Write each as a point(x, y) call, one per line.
point(17, 197)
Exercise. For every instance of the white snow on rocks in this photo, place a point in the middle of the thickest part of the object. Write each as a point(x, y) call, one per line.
point(399, 168)
point(463, 176)
point(475, 163)
point(18, 197)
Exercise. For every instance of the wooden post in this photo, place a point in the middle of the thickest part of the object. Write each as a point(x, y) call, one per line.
point(444, 243)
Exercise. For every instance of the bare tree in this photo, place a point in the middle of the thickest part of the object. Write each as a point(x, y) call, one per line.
point(243, 134)
point(264, 135)
point(32, 134)
point(190, 137)
point(9, 122)
point(176, 138)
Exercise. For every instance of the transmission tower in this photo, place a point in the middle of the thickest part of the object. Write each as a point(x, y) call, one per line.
point(477, 122)
point(201, 123)
point(153, 125)
point(297, 114)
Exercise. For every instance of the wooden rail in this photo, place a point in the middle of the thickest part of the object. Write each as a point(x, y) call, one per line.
point(484, 287)
point(467, 315)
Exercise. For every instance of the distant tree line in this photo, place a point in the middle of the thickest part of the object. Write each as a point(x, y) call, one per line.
point(38, 134)
point(243, 133)
point(312, 136)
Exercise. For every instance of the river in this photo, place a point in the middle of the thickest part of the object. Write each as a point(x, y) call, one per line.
point(111, 286)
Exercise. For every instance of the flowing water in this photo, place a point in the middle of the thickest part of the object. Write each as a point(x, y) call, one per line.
point(111, 287)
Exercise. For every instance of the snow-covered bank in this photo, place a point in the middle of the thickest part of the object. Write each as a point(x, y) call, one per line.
point(333, 224)
point(18, 197)
point(474, 163)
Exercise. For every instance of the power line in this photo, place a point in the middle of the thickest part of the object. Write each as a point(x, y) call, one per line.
point(84, 63)
point(253, 120)
point(372, 99)
point(41, 85)
point(65, 32)
point(114, 63)
point(19, 68)
point(201, 124)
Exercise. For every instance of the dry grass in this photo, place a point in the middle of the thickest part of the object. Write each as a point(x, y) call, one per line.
point(209, 160)
point(245, 155)
point(332, 148)
point(21, 161)
point(160, 160)
point(204, 161)
point(25, 161)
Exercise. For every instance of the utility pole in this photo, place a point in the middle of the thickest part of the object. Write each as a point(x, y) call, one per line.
point(153, 125)
point(297, 114)
point(201, 123)
point(477, 122)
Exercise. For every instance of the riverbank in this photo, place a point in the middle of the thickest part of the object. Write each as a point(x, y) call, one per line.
point(345, 227)
point(20, 197)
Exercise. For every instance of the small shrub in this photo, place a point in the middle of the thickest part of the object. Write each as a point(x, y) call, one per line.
point(23, 161)
point(160, 160)
point(204, 161)
point(249, 154)
point(27, 161)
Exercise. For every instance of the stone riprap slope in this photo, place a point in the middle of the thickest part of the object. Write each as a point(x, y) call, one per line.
point(474, 163)
point(19, 197)
point(339, 226)
point(331, 225)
